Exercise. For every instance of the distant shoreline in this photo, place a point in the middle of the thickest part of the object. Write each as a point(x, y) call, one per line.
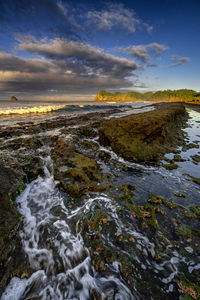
point(184, 95)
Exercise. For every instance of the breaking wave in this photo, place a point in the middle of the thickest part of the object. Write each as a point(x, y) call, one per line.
point(28, 110)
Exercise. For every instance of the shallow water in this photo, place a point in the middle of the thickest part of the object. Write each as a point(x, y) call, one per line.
point(61, 262)
point(193, 135)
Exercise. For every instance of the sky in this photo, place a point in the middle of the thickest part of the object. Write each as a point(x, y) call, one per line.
point(64, 50)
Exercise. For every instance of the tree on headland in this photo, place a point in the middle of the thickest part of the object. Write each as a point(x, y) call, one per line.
point(13, 98)
point(183, 95)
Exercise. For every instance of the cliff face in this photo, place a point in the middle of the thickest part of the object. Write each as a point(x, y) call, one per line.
point(145, 137)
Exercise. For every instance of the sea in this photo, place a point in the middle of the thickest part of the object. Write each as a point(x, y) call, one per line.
point(12, 112)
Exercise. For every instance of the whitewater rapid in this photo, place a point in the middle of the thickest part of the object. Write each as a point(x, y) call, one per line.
point(61, 262)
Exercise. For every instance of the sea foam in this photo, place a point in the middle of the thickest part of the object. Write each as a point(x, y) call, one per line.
point(28, 110)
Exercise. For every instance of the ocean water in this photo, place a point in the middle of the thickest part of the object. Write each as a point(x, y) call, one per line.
point(22, 111)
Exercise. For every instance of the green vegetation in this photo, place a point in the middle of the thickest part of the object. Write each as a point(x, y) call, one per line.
point(13, 98)
point(189, 289)
point(76, 172)
point(193, 212)
point(170, 166)
point(178, 158)
point(166, 95)
point(196, 158)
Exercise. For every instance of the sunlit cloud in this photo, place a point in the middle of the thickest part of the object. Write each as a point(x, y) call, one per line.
point(64, 66)
point(80, 58)
point(144, 53)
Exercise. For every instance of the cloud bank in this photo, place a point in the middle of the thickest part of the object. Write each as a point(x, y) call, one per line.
point(64, 66)
point(178, 61)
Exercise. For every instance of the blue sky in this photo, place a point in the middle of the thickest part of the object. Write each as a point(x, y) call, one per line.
point(57, 49)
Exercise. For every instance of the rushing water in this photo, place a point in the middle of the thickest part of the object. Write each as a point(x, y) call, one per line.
point(55, 248)
point(62, 262)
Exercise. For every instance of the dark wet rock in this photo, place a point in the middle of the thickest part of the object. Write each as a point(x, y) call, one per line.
point(178, 158)
point(147, 136)
point(28, 143)
point(170, 166)
point(104, 156)
point(11, 182)
point(180, 195)
point(14, 173)
point(193, 145)
point(196, 158)
point(96, 295)
point(76, 172)
point(189, 289)
point(87, 131)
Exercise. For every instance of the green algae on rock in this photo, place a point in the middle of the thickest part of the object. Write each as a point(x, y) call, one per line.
point(170, 166)
point(195, 158)
point(76, 172)
point(178, 158)
point(194, 179)
point(145, 137)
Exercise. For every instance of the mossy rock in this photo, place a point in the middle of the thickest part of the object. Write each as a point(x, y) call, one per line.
point(193, 212)
point(81, 173)
point(145, 137)
point(194, 179)
point(195, 158)
point(87, 131)
point(170, 166)
point(190, 146)
point(155, 199)
point(11, 182)
point(191, 290)
point(178, 158)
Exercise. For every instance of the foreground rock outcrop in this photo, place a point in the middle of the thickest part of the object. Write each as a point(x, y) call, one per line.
point(14, 172)
point(76, 172)
point(145, 137)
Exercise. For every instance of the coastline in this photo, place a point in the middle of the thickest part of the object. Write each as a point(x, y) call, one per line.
point(80, 162)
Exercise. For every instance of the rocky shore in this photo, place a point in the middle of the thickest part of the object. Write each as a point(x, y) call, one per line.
point(145, 137)
point(77, 147)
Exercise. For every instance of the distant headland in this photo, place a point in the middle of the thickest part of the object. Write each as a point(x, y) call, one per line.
point(183, 95)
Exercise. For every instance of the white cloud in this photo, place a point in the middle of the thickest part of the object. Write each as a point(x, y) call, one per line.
point(144, 53)
point(178, 61)
point(116, 16)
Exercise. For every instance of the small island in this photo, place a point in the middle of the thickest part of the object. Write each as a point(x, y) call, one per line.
point(183, 95)
point(13, 98)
